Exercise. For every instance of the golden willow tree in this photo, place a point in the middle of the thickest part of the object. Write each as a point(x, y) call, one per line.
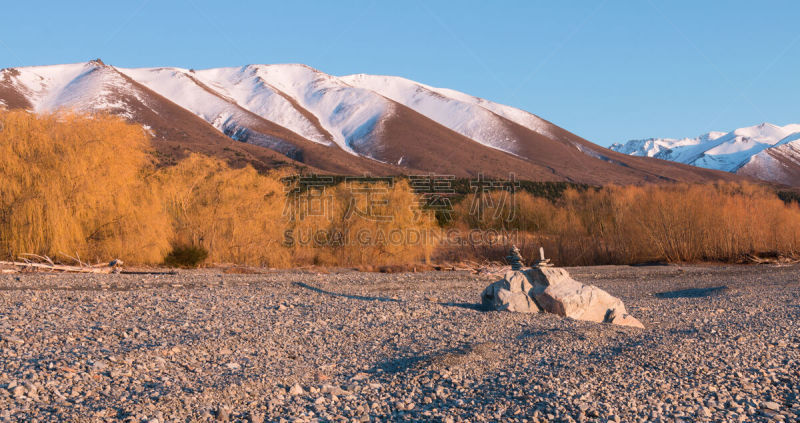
point(74, 185)
point(365, 223)
point(234, 214)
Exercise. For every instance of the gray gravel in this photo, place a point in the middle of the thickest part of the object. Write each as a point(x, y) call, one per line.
point(721, 344)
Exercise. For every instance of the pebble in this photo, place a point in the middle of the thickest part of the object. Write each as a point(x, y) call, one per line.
point(296, 389)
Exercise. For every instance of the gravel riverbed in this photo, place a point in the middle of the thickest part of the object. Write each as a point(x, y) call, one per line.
point(721, 344)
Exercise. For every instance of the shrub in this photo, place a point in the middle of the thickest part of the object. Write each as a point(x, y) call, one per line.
point(186, 256)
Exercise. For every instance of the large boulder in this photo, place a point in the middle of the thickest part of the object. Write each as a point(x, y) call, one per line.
point(556, 292)
point(512, 293)
point(551, 289)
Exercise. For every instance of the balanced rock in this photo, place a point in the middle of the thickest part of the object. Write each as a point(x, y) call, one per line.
point(512, 293)
point(556, 292)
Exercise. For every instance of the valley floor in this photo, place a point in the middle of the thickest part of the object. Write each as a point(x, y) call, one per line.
point(722, 343)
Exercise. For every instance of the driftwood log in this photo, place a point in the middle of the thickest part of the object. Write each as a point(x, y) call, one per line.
point(49, 266)
point(781, 259)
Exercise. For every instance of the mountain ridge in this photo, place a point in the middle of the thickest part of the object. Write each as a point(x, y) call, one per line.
point(295, 115)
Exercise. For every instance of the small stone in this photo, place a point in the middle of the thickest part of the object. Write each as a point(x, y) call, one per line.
point(13, 339)
point(771, 405)
point(296, 389)
point(99, 366)
point(360, 376)
point(223, 414)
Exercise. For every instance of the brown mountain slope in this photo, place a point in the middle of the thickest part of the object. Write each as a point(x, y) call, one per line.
point(578, 160)
point(417, 142)
point(9, 95)
point(778, 164)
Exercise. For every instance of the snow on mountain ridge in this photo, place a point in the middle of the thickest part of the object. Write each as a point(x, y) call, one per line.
point(790, 139)
point(473, 117)
point(467, 119)
point(257, 96)
point(220, 108)
point(90, 86)
point(349, 114)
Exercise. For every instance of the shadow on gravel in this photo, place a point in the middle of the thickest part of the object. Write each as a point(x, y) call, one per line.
point(350, 296)
point(468, 306)
point(650, 264)
point(693, 292)
point(398, 365)
point(446, 358)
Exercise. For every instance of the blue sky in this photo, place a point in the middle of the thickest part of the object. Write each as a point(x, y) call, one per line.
point(606, 70)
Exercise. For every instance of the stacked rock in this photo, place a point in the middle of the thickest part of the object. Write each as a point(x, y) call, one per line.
point(543, 262)
point(515, 258)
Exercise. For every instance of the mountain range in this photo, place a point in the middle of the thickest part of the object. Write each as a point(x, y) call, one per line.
point(293, 115)
point(766, 151)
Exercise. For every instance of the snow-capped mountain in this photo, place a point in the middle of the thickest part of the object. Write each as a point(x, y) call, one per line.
point(277, 115)
point(764, 151)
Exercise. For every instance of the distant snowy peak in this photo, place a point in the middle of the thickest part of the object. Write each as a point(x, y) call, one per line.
point(742, 149)
point(652, 147)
